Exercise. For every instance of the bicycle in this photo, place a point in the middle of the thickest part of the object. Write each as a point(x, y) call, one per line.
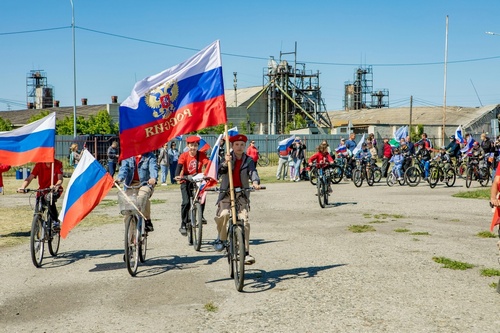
point(136, 236)
point(376, 171)
point(324, 175)
point(42, 229)
point(413, 175)
point(263, 161)
point(441, 170)
point(235, 244)
point(392, 178)
point(477, 171)
point(195, 225)
point(361, 172)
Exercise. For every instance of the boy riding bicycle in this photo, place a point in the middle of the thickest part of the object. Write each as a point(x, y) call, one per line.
point(43, 172)
point(243, 171)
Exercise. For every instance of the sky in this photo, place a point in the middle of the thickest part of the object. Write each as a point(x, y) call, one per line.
point(121, 42)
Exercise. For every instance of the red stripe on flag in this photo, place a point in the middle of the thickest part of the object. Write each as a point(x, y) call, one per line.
point(42, 154)
point(85, 204)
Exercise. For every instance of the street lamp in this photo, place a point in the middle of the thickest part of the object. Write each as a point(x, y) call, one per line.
point(74, 67)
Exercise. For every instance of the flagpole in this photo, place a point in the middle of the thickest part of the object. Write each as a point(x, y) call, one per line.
point(129, 201)
point(230, 174)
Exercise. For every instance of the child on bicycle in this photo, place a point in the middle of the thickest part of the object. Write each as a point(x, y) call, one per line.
point(43, 172)
point(190, 162)
point(137, 170)
point(243, 172)
point(322, 157)
point(398, 160)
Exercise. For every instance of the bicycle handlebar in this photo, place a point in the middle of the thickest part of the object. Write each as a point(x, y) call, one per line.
point(250, 189)
point(26, 190)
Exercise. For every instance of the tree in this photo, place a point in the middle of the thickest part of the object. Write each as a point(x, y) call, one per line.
point(298, 122)
point(5, 125)
point(39, 116)
point(416, 133)
point(98, 124)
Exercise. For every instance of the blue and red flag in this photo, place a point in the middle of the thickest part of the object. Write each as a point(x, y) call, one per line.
point(88, 185)
point(34, 142)
point(202, 145)
point(468, 145)
point(182, 99)
point(341, 149)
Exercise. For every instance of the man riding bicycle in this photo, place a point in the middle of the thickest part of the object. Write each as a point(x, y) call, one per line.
point(322, 157)
point(139, 170)
point(43, 172)
point(243, 171)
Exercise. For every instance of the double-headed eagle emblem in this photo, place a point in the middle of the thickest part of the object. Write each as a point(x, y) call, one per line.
point(161, 99)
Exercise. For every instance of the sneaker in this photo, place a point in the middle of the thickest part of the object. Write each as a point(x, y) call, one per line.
point(183, 230)
point(249, 260)
point(56, 226)
point(278, 178)
point(297, 179)
point(400, 178)
point(218, 245)
point(163, 184)
point(149, 226)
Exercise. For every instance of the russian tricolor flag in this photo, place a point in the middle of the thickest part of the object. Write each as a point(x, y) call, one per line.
point(34, 142)
point(179, 100)
point(202, 145)
point(232, 131)
point(283, 145)
point(341, 149)
point(88, 185)
point(458, 135)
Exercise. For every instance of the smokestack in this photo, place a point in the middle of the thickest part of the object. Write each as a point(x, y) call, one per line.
point(114, 99)
point(84, 101)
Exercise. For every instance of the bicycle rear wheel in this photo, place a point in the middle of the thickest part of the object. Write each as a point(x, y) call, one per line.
point(238, 258)
point(485, 176)
point(321, 190)
point(377, 175)
point(337, 174)
point(313, 176)
point(54, 239)
point(36, 240)
point(131, 244)
point(412, 176)
point(369, 177)
point(197, 226)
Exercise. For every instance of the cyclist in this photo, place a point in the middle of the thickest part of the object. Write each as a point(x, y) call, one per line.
point(253, 152)
point(398, 160)
point(243, 172)
point(43, 172)
point(137, 170)
point(322, 157)
point(424, 155)
point(190, 162)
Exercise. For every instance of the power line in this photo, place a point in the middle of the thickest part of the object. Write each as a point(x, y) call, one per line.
point(248, 56)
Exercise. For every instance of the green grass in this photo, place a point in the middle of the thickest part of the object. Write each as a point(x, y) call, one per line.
point(401, 230)
point(490, 272)
point(377, 221)
point(157, 201)
point(360, 228)
point(211, 307)
point(494, 285)
point(420, 233)
point(454, 220)
point(452, 264)
point(486, 234)
point(476, 194)
point(366, 215)
point(108, 203)
point(385, 216)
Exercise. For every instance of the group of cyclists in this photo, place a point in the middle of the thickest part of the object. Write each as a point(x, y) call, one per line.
point(403, 154)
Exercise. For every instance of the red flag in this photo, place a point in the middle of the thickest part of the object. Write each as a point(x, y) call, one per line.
point(496, 218)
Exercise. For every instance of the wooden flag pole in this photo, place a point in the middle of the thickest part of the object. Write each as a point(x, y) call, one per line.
point(230, 174)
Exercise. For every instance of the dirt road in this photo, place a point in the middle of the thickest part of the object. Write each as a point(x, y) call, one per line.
point(312, 274)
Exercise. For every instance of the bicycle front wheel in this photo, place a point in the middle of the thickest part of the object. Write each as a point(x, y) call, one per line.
point(484, 176)
point(36, 240)
point(377, 175)
point(369, 177)
point(197, 225)
point(321, 191)
point(450, 177)
point(468, 178)
point(263, 161)
point(357, 178)
point(54, 240)
point(337, 174)
point(143, 242)
point(433, 176)
point(131, 245)
point(238, 257)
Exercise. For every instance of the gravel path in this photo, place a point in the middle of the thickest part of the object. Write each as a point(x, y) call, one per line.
point(312, 274)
